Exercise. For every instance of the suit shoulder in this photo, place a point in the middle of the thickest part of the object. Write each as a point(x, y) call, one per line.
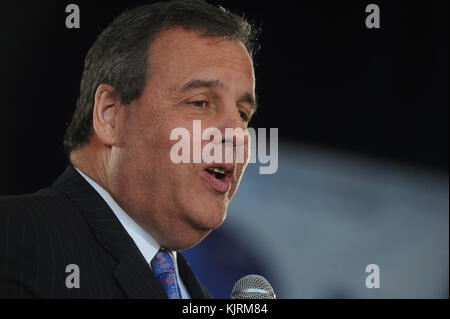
point(43, 221)
point(44, 201)
point(40, 234)
point(45, 212)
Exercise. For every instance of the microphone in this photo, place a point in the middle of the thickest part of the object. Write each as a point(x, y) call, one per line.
point(252, 287)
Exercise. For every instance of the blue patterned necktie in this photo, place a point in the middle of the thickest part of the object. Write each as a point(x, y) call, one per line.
point(164, 269)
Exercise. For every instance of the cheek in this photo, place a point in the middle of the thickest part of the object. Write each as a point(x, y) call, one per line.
point(152, 137)
point(168, 150)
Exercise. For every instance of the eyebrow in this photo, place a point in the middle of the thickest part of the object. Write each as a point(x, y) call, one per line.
point(195, 84)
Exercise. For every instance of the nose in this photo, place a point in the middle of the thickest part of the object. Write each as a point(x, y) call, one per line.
point(232, 126)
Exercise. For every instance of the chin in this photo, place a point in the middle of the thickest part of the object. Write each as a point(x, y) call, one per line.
point(189, 238)
point(209, 217)
point(200, 219)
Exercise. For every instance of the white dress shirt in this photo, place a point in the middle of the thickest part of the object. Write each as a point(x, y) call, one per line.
point(144, 242)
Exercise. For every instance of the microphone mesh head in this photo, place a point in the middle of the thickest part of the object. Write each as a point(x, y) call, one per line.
point(252, 287)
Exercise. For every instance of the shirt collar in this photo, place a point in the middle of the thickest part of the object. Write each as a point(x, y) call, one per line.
point(145, 243)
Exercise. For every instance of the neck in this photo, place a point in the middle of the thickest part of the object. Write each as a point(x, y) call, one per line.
point(92, 163)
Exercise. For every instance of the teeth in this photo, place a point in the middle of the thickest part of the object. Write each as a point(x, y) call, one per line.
point(217, 170)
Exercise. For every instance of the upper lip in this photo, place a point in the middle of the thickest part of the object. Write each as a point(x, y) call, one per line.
point(229, 168)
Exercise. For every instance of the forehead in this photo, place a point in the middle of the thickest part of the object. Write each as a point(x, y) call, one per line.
point(178, 52)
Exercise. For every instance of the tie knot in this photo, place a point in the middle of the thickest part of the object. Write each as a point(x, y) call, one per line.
point(162, 263)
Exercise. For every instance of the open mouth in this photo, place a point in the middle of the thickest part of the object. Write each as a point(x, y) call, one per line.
point(217, 172)
point(219, 176)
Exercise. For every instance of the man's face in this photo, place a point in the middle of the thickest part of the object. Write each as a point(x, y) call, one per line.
point(191, 78)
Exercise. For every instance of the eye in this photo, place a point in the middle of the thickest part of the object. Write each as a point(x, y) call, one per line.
point(199, 104)
point(244, 116)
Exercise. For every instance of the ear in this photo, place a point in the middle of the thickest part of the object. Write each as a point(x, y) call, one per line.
point(105, 114)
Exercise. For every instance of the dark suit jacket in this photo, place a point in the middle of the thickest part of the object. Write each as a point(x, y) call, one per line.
point(70, 223)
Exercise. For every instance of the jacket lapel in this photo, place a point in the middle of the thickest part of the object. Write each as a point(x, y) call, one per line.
point(190, 280)
point(136, 278)
point(132, 272)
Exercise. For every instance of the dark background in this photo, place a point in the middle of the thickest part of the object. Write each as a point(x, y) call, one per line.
point(323, 79)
